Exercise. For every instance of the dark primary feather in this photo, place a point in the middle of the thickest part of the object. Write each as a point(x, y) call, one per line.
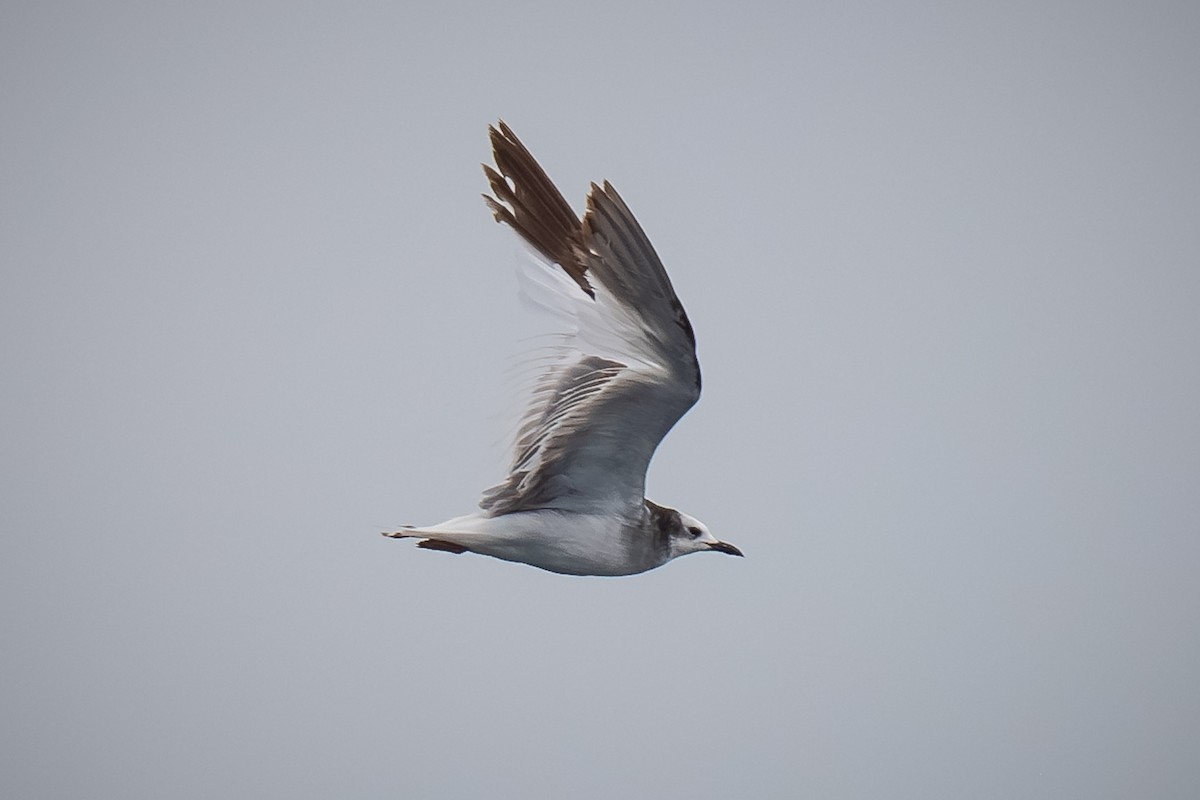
point(527, 200)
point(594, 422)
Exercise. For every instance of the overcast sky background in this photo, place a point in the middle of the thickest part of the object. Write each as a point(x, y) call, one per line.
point(943, 261)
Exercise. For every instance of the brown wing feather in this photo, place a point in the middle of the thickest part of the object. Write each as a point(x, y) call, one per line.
point(535, 208)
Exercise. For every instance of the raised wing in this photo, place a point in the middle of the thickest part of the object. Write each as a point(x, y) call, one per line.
point(628, 370)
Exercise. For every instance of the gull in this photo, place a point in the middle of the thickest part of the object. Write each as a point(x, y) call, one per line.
point(574, 500)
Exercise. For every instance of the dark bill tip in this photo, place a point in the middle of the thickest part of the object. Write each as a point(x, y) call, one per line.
point(726, 548)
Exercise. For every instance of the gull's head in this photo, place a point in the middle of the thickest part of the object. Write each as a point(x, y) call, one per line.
point(690, 535)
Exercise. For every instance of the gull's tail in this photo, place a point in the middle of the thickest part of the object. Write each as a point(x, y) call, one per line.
point(428, 543)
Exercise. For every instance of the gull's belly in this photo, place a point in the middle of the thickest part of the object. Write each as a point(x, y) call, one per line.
point(567, 543)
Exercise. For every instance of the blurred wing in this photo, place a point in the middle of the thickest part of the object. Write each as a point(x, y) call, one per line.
point(627, 371)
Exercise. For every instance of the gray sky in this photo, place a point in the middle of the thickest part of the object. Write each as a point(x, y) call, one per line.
point(943, 261)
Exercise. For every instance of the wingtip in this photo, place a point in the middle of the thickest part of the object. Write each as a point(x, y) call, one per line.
point(525, 198)
point(502, 136)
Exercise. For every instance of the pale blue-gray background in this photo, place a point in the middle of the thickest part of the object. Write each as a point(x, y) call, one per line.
point(943, 261)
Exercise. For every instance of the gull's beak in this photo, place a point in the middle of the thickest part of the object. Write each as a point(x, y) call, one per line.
point(726, 548)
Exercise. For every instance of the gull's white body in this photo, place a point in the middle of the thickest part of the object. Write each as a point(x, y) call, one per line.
point(559, 541)
point(626, 371)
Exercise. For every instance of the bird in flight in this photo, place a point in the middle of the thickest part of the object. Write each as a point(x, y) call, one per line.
point(574, 500)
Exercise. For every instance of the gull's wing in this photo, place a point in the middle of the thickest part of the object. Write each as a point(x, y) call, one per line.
point(628, 369)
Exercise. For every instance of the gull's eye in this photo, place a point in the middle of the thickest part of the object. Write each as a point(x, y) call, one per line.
point(693, 531)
